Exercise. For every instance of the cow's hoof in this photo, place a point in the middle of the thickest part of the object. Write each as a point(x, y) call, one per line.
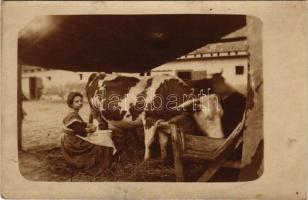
point(163, 161)
point(146, 160)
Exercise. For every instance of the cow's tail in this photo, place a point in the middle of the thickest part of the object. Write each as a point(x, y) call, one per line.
point(89, 84)
point(91, 78)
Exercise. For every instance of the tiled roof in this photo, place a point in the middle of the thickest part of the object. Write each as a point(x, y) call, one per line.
point(242, 32)
point(226, 46)
point(222, 47)
point(29, 67)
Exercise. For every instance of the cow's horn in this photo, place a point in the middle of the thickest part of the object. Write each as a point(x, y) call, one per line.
point(188, 103)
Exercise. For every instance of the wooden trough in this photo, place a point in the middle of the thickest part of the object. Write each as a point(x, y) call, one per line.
point(201, 147)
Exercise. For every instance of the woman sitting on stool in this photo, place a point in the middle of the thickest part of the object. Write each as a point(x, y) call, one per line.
point(76, 151)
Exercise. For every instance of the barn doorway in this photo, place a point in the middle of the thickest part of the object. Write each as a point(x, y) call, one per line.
point(35, 87)
point(184, 75)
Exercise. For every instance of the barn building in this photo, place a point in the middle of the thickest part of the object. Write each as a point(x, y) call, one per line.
point(231, 57)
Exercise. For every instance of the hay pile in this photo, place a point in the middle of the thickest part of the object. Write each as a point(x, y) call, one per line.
point(127, 164)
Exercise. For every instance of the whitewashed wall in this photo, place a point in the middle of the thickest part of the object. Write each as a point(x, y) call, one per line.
point(211, 66)
point(57, 78)
point(25, 87)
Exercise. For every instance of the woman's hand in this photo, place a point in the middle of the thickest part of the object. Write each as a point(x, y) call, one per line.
point(89, 125)
point(91, 129)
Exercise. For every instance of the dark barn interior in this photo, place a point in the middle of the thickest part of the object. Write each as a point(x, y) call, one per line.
point(125, 43)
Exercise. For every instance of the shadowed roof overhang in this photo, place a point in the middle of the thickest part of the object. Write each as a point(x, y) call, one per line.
point(118, 43)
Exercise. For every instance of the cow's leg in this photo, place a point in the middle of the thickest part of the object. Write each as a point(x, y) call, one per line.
point(148, 140)
point(150, 128)
point(102, 124)
point(91, 118)
point(163, 140)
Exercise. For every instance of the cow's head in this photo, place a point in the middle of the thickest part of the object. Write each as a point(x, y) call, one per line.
point(220, 86)
point(207, 112)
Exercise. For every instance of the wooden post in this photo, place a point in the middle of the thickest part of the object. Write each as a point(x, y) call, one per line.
point(252, 155)
point(19, 108)
point(176, 146)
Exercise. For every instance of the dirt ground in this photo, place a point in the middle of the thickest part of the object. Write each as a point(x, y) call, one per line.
point(41, 158)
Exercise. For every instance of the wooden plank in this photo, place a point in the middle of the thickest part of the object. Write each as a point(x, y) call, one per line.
point(176, 146)
point(215, 166)
point(231, 137)
point(218, 162)
point(211, 170)
point(202, 143)
point(190, 153)
point(232, 164)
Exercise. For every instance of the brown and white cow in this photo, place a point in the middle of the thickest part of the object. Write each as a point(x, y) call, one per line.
point(125, 102)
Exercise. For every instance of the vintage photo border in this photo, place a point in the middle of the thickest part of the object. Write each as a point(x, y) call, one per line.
point(284, 58)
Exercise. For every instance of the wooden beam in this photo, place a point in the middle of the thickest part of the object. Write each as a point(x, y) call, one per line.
point(215, 166)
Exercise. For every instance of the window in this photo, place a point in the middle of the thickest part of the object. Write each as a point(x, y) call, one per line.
point(80, 76)
point(184, 75)
point(239, 70)
point(149, 73)
point(49, 78)
point(142, 74)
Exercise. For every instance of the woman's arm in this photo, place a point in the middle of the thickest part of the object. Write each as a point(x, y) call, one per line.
point(79, 128)
point(91, 129)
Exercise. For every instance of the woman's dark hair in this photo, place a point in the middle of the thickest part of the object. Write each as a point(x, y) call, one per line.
point(71, 96)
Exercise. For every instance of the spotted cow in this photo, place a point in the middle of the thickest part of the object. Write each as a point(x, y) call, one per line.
point(125, 102)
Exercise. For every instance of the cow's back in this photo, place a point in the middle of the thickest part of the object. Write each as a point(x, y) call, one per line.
point(171, 92)
point(125, 98)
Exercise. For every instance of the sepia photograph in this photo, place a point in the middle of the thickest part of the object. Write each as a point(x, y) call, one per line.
point(153, 98)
